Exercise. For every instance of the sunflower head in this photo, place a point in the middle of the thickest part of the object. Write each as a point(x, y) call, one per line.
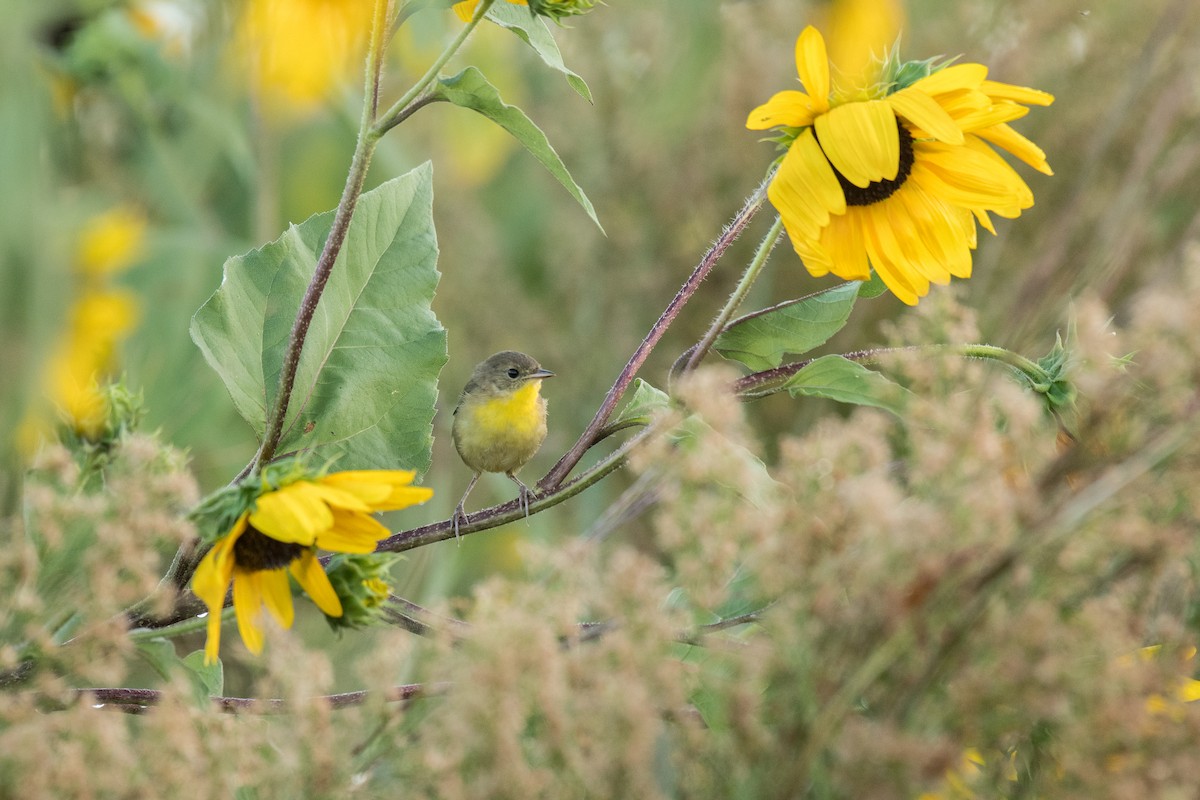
point(894, 176)
point(280, 519)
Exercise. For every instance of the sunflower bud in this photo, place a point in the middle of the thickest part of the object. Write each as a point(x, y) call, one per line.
point(557, 9)
point(360, 581)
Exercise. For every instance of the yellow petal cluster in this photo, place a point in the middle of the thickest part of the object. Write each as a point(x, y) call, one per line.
point(897, 182)
point(279, 536)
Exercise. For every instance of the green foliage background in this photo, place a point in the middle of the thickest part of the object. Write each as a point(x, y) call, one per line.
point(661, 152)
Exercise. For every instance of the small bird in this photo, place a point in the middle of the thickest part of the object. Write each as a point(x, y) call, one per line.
point(500, 421)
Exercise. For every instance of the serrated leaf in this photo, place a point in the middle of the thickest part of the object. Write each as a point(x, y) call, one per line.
point(208, 680)
point(533, 31)
point(846, 381)
point(471, 89)
point(367, 381)
point(761, 340)
point(643, 402)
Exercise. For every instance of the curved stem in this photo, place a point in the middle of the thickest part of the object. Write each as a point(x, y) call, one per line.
point(392, 117)
point(559, 471)
point(739, 294)
point(1030, 369)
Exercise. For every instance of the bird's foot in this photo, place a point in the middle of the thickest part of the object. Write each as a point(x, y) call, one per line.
point(525, 495)
point(460, 517)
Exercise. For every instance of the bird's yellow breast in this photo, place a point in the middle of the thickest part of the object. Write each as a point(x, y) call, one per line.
point(499, 433)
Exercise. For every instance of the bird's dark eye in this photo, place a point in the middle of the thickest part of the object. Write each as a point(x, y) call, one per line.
point(513, 372)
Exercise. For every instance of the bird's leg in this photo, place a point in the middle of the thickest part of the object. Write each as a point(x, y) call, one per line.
point(526, 494)
point(460, 514)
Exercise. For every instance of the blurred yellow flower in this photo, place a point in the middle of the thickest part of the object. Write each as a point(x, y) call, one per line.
point(895, 176)
point(111, 242)
point(86, 353)
point(297, 51)
point(466, 9)
point(861, 32)
point(279, 535)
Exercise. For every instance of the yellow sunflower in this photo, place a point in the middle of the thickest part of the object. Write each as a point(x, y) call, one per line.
point(279, 535)
point(895, 176)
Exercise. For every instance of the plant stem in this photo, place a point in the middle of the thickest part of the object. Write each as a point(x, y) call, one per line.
point(189, 625)
point(363, 150)
point(1020, 363)
point(739, 294)
point(392, 117)
point(138, 701)
point(559, 471)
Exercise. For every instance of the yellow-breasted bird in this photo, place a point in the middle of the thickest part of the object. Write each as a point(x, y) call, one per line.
point(500, 421)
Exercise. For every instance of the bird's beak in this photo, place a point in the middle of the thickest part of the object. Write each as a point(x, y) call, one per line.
point(542, 373)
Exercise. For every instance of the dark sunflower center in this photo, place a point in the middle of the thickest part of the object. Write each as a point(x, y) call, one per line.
point(880, 190)
point(255, 551)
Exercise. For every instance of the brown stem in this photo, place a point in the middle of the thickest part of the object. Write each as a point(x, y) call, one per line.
point(139, 701)
point(559, 471)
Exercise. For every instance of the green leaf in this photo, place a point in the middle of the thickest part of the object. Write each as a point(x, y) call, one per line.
point(873, 287)
point(160, 654)
point(642, 403)
point(208, 680)
point(533, 31)
point(846, 381)
point(471, 89)
point(366, 385)
point(760, 340)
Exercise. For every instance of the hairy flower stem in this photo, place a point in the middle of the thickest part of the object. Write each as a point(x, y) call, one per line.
point(591, 434)
point(760, 384)
point(739, 294)
point(370, 130)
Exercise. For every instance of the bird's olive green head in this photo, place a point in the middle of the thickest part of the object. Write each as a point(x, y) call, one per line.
point(504, 372)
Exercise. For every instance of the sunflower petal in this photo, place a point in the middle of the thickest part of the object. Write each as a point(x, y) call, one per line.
point(295, 513)
point(1018, 94)
point(790, 109)
point(247, 602)
point(352, 533)
point(1004, 136)
point(277, 594)
point(215, 571)
point(996, 114)
point(382, 490)
point(805, 190)
point(212, 640)
point(311, 576)
point(953, 78)
point(861, 141)
point(882, 248)
point(924, 112)
point(812, 64)
point(842, 239)
point(967, 177)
